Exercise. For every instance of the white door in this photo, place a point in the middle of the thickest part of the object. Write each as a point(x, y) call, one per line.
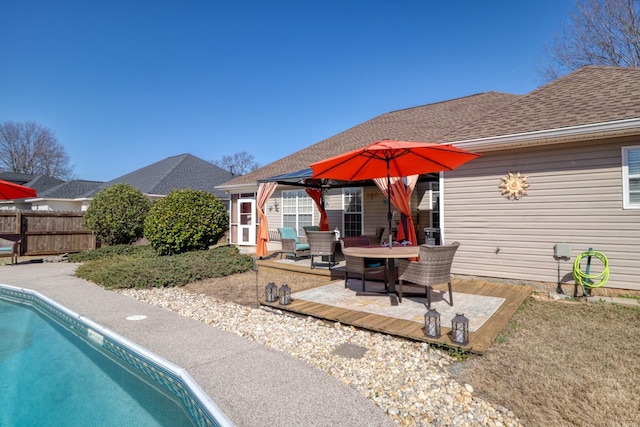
point(246, 222)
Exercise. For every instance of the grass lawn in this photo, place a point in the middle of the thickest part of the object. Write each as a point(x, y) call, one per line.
point(564, 364)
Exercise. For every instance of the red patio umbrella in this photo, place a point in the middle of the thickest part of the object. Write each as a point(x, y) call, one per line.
point(389, 158)
point(10, 191)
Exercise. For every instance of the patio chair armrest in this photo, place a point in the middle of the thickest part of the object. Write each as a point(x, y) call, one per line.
point(288, 245)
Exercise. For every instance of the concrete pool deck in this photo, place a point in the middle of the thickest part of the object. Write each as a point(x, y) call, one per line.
point(251, 383)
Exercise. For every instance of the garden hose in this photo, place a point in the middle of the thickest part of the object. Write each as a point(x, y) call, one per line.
point(585, 279)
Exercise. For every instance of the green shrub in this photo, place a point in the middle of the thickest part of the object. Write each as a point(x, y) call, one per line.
point(144, 268)
point(185, 220)
point(116, 214)
point(111, 251)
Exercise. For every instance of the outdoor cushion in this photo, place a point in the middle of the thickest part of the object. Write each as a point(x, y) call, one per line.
point(302, 246)
point(311, 228)
point(371, 264)
point(288, 233)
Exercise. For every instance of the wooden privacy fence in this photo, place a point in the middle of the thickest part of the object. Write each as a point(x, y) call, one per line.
point(47, 232)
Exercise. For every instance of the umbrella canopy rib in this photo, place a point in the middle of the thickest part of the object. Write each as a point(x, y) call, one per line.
point(387, 158)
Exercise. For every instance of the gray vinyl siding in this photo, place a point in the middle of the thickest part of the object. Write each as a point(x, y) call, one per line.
point(575, 197)
point(274, 218)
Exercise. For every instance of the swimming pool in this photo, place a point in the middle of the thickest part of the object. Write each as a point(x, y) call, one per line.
point(60, 368)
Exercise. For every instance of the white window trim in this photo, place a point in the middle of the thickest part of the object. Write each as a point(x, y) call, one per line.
point(298, 228)
point(625, 178)
point(344, 205)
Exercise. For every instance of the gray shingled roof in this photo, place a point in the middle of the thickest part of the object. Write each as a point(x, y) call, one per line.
point(426, 123)
point(17, 178)
point(175, 173)
point(70, 190)
point(40, 183)
point(589, 95)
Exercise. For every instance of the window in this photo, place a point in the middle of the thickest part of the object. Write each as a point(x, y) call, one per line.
point(352, 211)
point(631, 177)
point(434, 191)
point(430, 203)
point(297, 209)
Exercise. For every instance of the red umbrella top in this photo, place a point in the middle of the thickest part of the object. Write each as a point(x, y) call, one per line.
point(392, 158)
point(10, 191)
point(389, 158)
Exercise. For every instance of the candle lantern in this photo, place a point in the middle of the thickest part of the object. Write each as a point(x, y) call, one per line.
point(271, 292)
point(432, 323)
point(285, 295)
point(460, 329)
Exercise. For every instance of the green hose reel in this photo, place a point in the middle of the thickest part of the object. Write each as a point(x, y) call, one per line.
point(586, 279)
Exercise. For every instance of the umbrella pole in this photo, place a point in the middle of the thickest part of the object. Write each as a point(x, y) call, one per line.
point(389, 216)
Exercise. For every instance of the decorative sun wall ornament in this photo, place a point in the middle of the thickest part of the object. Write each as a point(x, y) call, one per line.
point(514, 185)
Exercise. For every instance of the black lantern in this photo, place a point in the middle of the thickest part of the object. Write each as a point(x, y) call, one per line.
point(460, 329)
point(271, 292)
point(285, 294)
point(432, 323)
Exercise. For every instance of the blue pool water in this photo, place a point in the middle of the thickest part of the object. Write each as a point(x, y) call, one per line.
point(49, 376)
point(57, 368)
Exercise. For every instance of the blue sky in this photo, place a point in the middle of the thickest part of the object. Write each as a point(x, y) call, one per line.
point(123, 84)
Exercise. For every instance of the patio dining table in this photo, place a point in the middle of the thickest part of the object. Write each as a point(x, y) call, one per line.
point(389, 253)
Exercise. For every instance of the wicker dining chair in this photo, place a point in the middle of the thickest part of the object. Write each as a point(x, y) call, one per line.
point(376, 239)
point(359, 265)
point(322, 243)
point(433, 268)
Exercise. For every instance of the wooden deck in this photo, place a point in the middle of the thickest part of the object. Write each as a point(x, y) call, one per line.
point(479, 340)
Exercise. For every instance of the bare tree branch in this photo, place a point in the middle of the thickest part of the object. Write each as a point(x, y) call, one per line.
point(600, 32)
point(238, 164)
point(32, 149)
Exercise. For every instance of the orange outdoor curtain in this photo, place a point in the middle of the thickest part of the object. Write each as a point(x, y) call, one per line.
point(316, 195)
point(401, 199)
point(265, 190)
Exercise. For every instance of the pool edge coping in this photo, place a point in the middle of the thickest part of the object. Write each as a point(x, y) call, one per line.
point(202, 398)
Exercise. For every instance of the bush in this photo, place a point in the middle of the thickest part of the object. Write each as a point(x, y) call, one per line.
point(185, 220)
point(143, 268)
point(111, 252)
point(116, 214)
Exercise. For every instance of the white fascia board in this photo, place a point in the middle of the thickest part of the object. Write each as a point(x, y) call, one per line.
point(49, 199)
point(554, 136)
point(240, 188)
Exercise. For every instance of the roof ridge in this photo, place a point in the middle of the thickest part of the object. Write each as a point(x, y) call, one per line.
point(172, 169)
point(445, 101)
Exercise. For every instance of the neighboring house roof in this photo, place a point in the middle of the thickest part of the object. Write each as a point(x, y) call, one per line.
point(73, 189)
point(175, 173)
point(426, 123)
point(42, 183)
point(587, 96)
point(16, 177)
